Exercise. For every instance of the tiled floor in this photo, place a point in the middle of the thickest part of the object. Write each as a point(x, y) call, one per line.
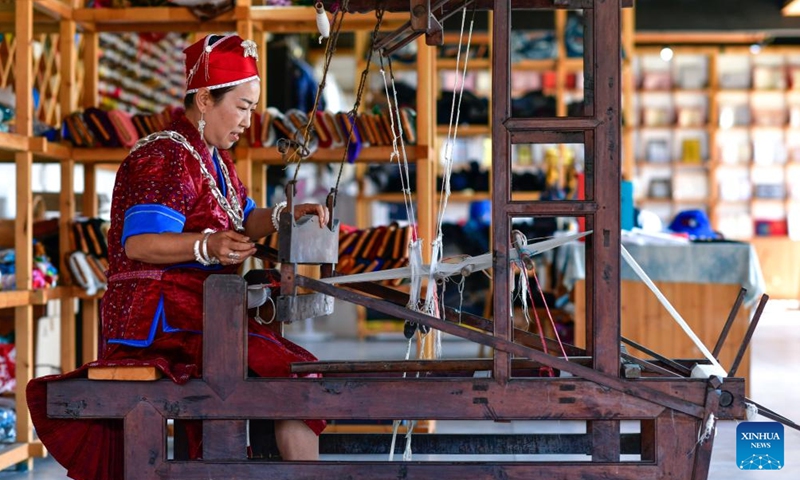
point(775, 366)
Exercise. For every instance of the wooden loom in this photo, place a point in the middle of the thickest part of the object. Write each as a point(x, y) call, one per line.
point(671, 407)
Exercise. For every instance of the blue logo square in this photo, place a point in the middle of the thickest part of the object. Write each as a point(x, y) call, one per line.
point(759, 446)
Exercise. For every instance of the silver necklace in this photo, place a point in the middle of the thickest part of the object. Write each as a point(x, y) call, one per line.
point(230, 204)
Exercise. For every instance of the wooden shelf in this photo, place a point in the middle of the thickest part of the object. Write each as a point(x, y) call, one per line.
point(11, 142)
point(173, 19)
point(293, 19)
point(42, 296)
point(14, 453)
point(43, 148)
point(271, 155)
point(99, 155)
point(466, 130)
point(14, 298)
point(384, 197)
point(474, 63)
point(536, 65)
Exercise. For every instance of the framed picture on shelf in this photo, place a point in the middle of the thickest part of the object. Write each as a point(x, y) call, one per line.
point(660, 189)
point(691, 151)
point(658, 151)
point(661, 80)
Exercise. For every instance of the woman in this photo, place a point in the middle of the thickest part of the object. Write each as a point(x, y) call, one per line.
point(180, 213)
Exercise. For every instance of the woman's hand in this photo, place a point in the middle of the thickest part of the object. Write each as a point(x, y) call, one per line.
point(229, 247)
point(317, 209)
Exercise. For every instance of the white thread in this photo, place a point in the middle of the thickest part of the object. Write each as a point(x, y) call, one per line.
point(409, 432)
point(668, 306)
point(476, 263)
point(397, 136)
point(395, 426)
point(323, 24)
point(396, 423)
point(706, 432)
point(751, 411)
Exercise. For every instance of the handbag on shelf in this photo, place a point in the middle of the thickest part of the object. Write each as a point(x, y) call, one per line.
point(123, 125)
point(77, 131)
point(100, 124)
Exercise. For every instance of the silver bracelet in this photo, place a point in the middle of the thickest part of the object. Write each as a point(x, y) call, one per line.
point(197, 255)
point(208, 260)
point(276, 211)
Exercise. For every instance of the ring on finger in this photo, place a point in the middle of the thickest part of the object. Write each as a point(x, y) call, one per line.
point(233, 255)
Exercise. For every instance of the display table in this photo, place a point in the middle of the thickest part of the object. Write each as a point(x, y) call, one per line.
point(701, 280)
point(780, 260)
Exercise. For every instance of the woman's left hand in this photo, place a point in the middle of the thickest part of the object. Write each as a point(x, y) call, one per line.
point(317, 209)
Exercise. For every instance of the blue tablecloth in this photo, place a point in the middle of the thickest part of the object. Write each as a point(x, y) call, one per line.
point(724, 262)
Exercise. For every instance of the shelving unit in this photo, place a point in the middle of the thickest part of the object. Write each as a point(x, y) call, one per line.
point(714, 130)
point(78, 85)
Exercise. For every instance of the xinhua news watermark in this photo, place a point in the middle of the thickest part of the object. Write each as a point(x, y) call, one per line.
point(759, 446)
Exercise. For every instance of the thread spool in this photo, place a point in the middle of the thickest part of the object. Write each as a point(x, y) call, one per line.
point(323, 24)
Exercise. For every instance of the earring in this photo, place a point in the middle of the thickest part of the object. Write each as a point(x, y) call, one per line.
point(201, 125)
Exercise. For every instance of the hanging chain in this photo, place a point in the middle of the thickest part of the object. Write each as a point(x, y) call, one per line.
point(233, 208)
point(351, 116)
point(330, 49)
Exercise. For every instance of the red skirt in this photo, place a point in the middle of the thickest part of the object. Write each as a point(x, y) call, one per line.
point(268, 355)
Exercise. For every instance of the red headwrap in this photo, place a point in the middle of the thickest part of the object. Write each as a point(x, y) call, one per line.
point(229, 61)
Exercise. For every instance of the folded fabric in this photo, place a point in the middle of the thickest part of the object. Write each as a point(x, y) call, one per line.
point(408, 119)
point(77, 131)
point(267, 129)
point(321, 128)
point(348, 126)
point(337, 135)
point(98, 122)
point(298, 121)
point(123, 125)
point(253, 132)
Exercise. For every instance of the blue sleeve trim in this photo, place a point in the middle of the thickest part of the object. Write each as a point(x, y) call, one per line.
point(249, 206)
point(151, 218)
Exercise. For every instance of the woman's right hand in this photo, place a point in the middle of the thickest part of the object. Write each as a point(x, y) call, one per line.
point(230, 247)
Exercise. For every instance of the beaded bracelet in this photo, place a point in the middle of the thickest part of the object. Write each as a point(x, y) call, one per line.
point(276, 211)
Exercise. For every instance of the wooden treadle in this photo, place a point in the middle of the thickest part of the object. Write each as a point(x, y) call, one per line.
point(131, 374)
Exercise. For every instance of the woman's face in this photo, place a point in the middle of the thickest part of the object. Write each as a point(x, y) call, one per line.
point(227, 119)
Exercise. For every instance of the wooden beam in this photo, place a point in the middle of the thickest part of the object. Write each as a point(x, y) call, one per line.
point(91, 76)
point(54, 8)
point(143, 15)
point(698, 38)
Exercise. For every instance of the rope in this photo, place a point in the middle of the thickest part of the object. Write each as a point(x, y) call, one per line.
point(397, 137)
point(455, 109)
point(549, 315)
point(524, 274)
point(351, 115)
point(474, 264)
point(330, 49)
